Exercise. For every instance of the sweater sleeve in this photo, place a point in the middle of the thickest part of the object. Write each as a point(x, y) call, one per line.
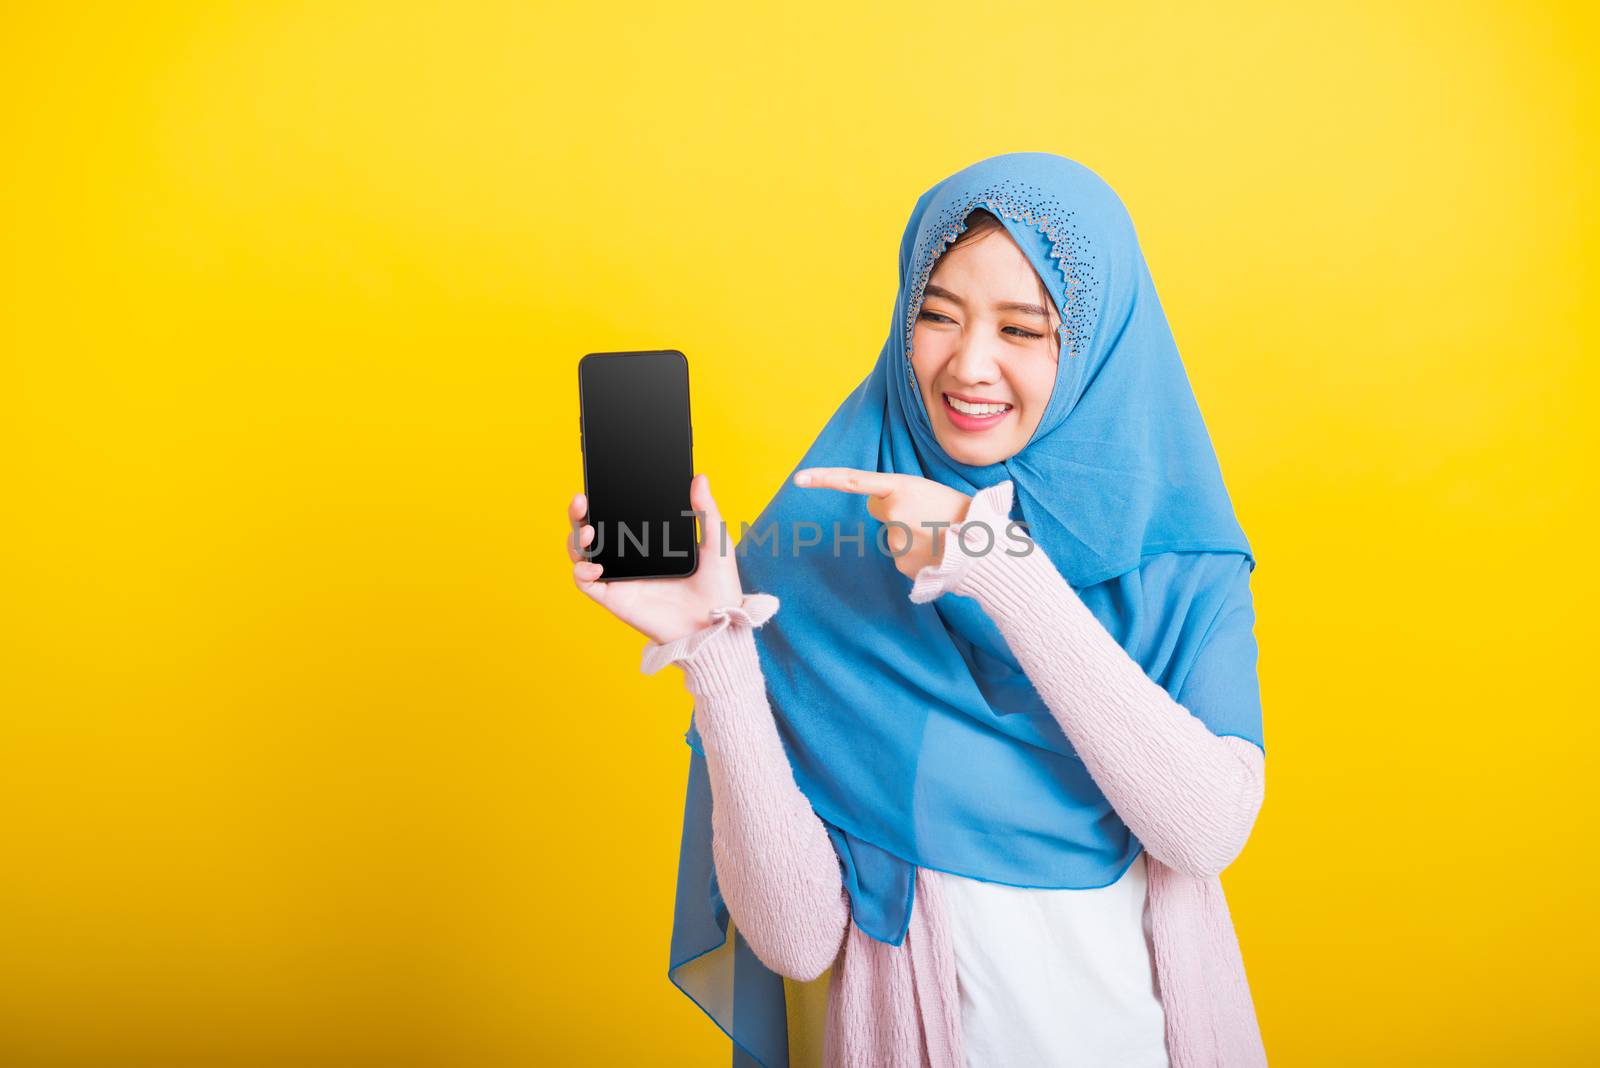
point(1189, 795)
point(776, 867)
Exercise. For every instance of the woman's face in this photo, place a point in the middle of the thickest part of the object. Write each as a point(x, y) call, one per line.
point(985, 337)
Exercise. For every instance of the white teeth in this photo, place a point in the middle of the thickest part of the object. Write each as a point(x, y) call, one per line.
point(975, 409)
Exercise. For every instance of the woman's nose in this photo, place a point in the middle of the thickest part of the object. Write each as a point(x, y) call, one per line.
point(974, 361)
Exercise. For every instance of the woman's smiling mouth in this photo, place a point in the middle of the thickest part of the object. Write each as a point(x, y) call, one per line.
point(971, 415)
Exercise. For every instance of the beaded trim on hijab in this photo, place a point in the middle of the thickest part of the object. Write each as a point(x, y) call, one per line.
point(1021, 203)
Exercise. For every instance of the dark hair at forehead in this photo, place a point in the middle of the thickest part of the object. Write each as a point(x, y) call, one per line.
point(980, 223)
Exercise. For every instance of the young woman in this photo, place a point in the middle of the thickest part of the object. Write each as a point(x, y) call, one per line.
point(985, 765)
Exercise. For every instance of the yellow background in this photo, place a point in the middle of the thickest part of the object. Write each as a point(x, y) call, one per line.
point(312, 753)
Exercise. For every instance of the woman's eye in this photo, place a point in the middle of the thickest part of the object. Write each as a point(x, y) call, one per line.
point(933, 316)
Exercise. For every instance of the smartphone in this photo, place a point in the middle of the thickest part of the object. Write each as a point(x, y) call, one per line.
point(638, 461)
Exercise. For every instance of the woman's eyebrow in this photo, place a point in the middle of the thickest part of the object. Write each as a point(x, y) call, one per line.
point(931, 290)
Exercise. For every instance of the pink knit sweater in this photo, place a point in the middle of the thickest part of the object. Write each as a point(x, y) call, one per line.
point(1189, 795)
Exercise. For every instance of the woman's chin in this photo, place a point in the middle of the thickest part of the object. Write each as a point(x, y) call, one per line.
point(966, 449)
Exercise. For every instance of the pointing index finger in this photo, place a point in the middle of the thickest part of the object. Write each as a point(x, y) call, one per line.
point(849, 479)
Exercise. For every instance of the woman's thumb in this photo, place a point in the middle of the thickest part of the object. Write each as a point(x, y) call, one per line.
point(700, 500)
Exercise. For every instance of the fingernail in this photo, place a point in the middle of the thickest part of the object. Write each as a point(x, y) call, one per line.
point(802, 479)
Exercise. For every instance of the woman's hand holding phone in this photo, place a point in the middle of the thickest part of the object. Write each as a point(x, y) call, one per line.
point(662, 609)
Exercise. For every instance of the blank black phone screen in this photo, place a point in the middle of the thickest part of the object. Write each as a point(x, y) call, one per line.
point(638, 461)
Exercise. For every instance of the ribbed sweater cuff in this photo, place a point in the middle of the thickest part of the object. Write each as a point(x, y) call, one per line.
point(725, 666)
point(721, 658)
point(966, 547)
point(1010, 586)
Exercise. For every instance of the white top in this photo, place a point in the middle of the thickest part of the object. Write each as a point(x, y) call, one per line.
point(1056, 978)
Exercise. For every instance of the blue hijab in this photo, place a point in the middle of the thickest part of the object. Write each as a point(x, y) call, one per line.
point(910, 727)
